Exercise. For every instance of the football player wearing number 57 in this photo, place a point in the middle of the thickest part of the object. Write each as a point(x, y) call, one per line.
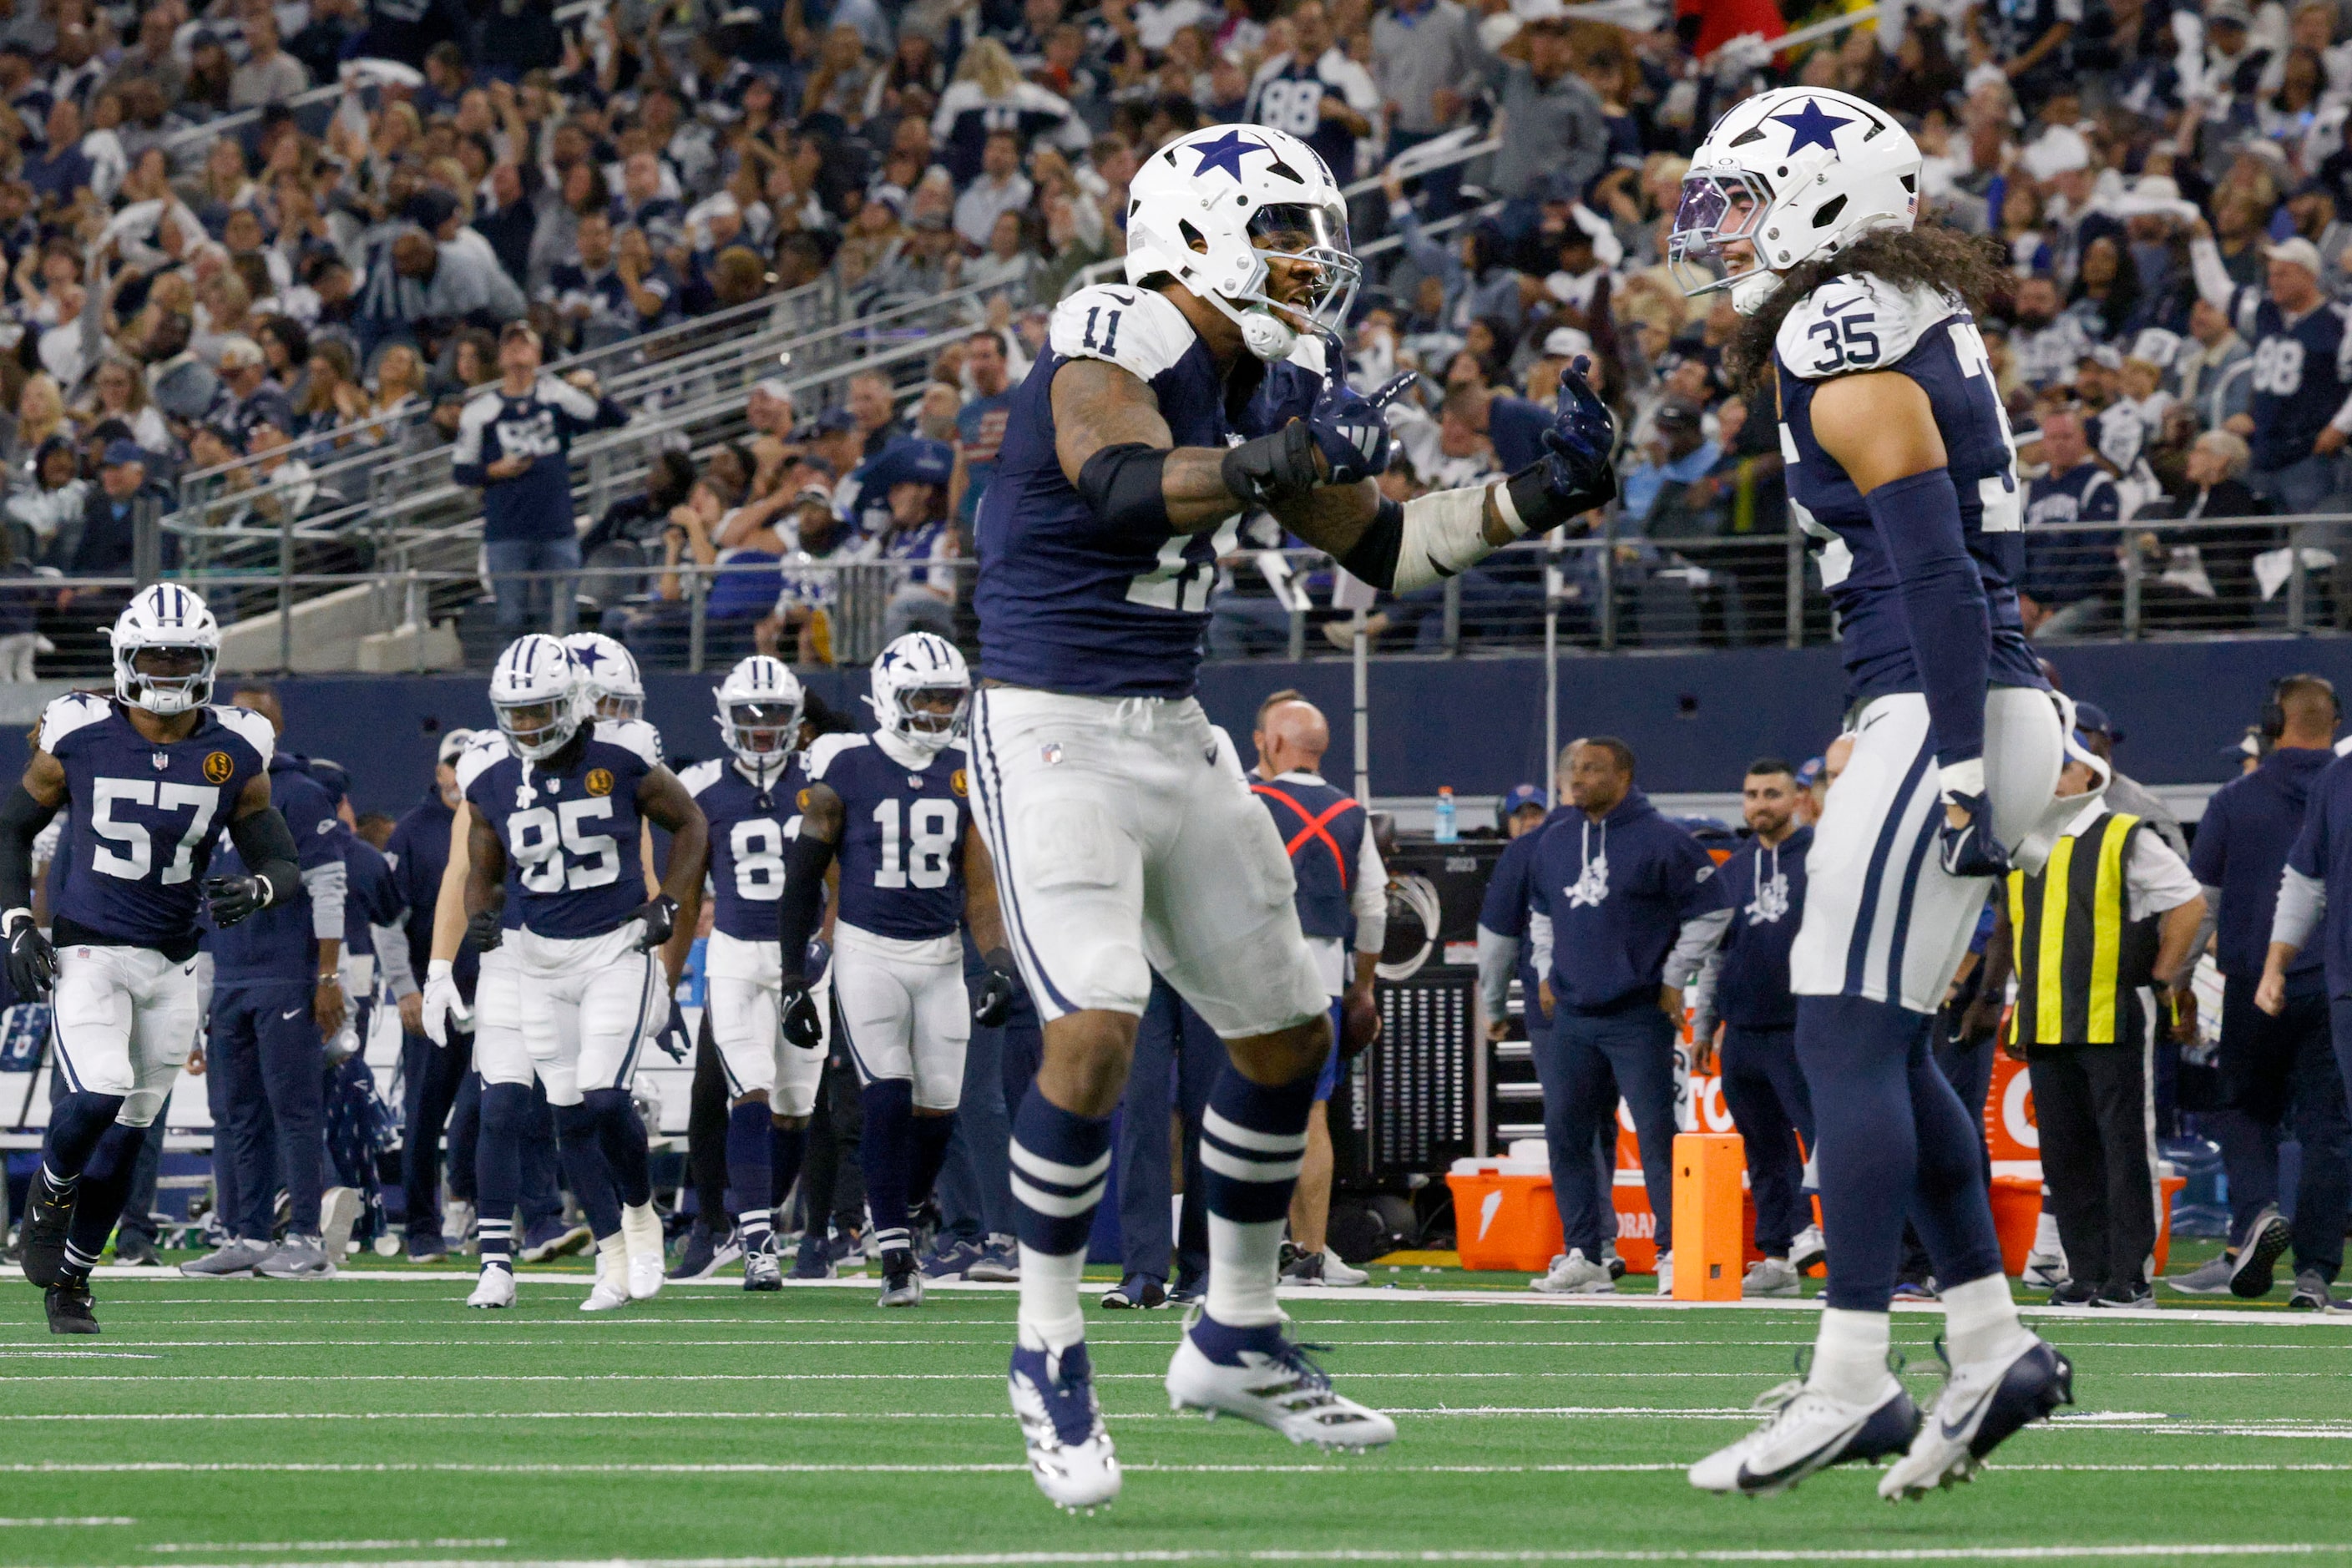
point(151, 775)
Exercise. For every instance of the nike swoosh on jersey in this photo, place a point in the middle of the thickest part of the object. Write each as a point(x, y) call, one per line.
point(289, 1012)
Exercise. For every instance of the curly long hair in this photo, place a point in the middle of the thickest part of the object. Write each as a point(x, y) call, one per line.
point(1930, 255)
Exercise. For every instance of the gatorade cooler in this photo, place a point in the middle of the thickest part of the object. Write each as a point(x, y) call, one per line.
point(1504, 1217)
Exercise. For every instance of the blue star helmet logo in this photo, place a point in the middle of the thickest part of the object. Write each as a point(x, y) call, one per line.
point(588, 658)
point(1225, 152)
point(1811, 127)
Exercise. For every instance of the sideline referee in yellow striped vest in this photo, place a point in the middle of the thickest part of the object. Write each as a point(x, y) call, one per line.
point(2115, 910)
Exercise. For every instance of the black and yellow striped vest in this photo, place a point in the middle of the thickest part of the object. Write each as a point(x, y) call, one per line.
point(2079, 958)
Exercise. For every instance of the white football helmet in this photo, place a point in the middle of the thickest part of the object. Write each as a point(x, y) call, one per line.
point(171, 624)
point(917, 663)
point(616, 690)
point(1789, 174)
point(760, 708)
point(538, 696)
point(1198, 207)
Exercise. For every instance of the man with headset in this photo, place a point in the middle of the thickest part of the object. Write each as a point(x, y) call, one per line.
point(2270, 1060)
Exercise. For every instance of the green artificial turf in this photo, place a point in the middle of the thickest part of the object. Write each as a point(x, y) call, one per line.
point(713, 1426)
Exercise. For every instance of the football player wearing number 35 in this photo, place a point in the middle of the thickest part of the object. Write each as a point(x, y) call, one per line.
point(1801, 203)
point(1212, 383)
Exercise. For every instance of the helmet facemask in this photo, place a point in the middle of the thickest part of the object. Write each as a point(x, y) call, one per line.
point(538, 727)
point(1299, 246)
point(1713, 244)
point(927, 718)
point(762, 732)
point(166, 678)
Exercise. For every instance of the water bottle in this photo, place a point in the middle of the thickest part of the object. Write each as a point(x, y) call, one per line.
point(1446, 831)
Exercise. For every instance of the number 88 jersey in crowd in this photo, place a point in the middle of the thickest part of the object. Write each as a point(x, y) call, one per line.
point(1860, 323)
point(572, 837)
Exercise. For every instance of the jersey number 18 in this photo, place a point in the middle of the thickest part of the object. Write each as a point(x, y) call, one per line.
point(927, 851)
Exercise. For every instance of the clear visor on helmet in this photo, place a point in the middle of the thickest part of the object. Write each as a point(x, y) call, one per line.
point(933, 710)
point(536, 728)
point(1714, 239)
point(1311, 272)
point(768, 729)
point(619, 706)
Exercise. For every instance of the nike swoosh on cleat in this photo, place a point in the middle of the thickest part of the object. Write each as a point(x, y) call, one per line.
point(1774, 1478)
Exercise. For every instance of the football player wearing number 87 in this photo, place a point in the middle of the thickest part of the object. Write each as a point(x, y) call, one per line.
point(893, 809)
point(1801, 203)
point(555, 812)
point(151, 776)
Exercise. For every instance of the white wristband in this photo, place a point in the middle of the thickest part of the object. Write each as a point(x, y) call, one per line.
point(8, 921)
point(440, 969)
point(1961, 778)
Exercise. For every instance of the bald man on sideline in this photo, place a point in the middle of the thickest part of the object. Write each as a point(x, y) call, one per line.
point(1342, 894)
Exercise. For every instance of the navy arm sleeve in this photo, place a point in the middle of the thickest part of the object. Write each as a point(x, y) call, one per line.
point(1918, 520)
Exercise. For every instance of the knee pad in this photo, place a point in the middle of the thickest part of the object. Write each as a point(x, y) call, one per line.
point(506, 1109)
point(140, 1108)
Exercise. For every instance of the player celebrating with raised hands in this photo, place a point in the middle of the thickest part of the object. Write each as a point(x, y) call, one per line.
point(891, 807)
point(772, 1085)
point(149, 776)
point(1124, 836)
point(1801, 203)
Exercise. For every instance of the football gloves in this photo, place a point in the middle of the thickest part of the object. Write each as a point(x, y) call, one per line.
point(993, 1003)
point(659, 914)
point(32, 962)
point(484, 930)
point(445, 1013)
point(797, 1015)
point(1577, 444)
point(1349, 428)
point(234, 898)
point(1967, 848)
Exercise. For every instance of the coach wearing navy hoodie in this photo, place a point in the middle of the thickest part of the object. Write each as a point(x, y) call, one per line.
point(2274, 1051)
point(1624, 907)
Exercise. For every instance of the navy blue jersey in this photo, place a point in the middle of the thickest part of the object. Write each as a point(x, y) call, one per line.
point(2302, 374)
point(2322, 851)
point(570, 838)
point(144, 817)
point(537, 502)
point(2061, 568)
point(1858, 323)
point(748, 828)
point(418, 852)
point(1067, 602)
point(902, 850)
point(278, 945)
point(1766, 889)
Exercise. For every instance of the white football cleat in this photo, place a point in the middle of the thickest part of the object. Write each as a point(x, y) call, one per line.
point(1982, 1402)
point(1808, 1431)
point(1062, 1428)
point(1808, 1248)
point(1338, 1270)
point(1771, 1276)
point(1666, 1273)
point(610, 1294)
point(641, 1231)
point(458, 1226)
point(1258, 1375)
point(495, 1288)
point(1572, 1275)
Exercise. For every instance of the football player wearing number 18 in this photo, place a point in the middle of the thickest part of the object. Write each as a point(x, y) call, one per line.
point(1125, 838)
point(1801, 203)
point(149, 776)
point(892, 806)
point(554, 818)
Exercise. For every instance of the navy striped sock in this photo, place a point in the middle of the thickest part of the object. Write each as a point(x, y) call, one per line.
point(1059, 1160)
point(887, 1154)
point(1253, 1138)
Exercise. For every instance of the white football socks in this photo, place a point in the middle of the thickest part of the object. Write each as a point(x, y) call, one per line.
point(1850, 1356)
point(1980, 1319)
point(1051, 1318)
point(1244, 1262)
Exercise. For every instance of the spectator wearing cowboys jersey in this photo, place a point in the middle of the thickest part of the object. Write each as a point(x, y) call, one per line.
point(2302, 377)
point(1744, 986)
point(148, 776)
point(892, 809)
point(1124, 837)
point(2065, 588)
point(515, 442)
point(1317, 93)
point(748, 799)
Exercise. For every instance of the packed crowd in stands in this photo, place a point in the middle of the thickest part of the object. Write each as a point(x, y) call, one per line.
point(248, 242)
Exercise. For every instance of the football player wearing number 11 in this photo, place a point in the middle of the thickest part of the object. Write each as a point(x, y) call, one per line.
point(1210, 384)
point(1801, 204)
point(149, 776)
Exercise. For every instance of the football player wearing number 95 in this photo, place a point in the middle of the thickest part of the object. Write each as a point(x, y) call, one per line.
point(1209, 386)
point(1801, 203)
point(892, 806)
point(554, 816)
point(150, 775)
point(771, 1084)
